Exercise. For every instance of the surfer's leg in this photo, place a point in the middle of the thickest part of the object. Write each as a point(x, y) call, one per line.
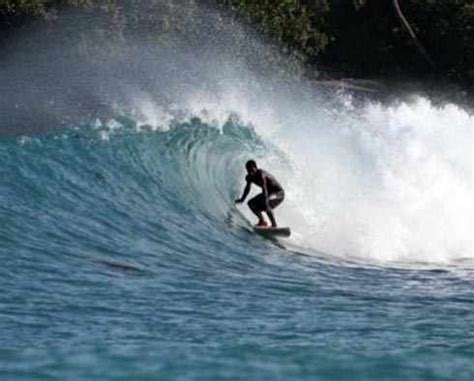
point(272, 218)
point(257, 206)
point(275, 200)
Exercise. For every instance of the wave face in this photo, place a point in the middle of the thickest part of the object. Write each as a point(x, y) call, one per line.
point(124, 257)
point(179, 179)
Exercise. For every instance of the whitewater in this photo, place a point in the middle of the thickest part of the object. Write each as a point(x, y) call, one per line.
point(124, 256)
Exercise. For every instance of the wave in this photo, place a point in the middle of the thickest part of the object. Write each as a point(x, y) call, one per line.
point(364, 179)
point(176, 123)
point(377, 183)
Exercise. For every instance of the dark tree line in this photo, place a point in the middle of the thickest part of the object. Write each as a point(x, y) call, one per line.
point(409, 38)
point(366, 38)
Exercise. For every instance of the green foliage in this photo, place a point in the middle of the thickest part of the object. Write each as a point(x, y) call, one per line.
point(32, 7)
point(366, 37)
point(298, 24)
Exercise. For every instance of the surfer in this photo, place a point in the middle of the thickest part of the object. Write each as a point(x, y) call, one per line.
point(272, 193)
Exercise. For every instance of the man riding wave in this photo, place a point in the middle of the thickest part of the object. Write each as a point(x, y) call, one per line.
point(272, 193)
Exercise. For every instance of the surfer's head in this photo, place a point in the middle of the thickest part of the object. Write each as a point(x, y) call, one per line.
point(251, 166)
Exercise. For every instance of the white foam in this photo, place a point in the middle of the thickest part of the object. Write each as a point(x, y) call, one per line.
point(389, 183)
point(373, 181)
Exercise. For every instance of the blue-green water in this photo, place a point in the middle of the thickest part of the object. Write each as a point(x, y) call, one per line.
point(123, 258)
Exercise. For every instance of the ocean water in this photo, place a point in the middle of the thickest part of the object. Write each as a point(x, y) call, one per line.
point(123, 256)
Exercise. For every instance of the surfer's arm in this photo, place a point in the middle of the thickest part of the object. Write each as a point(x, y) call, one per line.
point(245, 194)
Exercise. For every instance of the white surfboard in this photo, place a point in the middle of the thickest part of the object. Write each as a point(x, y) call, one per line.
point(272, 232)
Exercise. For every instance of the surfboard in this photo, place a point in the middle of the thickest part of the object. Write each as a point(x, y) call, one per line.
point(272, 232)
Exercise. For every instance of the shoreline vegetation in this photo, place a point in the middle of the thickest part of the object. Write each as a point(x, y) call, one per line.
point(414, 41)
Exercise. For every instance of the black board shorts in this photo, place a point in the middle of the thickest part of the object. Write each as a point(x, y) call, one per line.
point(274, 199)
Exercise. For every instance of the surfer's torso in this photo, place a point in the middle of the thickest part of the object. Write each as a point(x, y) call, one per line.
point(273, 186)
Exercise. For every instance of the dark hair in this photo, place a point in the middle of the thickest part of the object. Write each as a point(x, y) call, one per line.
point(250, 164)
